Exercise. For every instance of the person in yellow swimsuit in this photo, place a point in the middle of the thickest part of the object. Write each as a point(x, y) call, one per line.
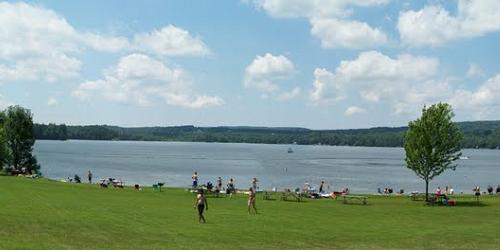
point(251, 201)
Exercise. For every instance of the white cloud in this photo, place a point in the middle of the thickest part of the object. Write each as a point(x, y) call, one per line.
point(313, 8)
point(353, 110)
point(170, 41)
point(480, 103)
point(404, 82)
point(38, 44)
point(265, 72)
point(103, 42)
point(433, 25)
point(374, 75)
point(411, 99)
point(52, 101)
point(330, 20)
point(49, 68)
point(140, 80)
point(325, 87)
point(285, 96)
point(336, 33)
point(474, 71)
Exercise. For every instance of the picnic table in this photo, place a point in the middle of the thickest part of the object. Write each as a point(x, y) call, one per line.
point(291, 196)
point(362, 199)
point(417, 196)
point(269, 195)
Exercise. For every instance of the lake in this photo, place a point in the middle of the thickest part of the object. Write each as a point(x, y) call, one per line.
point(362, 169)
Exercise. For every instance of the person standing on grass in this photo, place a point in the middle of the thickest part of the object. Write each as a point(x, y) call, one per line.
point(321, 187)
point(89, 175)
point(251, 201)
point(195, 179)
point(202, 204)
point(218, 186)
point(254, 184)
point(230, 188)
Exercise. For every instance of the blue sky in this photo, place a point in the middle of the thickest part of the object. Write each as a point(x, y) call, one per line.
point(321, 64)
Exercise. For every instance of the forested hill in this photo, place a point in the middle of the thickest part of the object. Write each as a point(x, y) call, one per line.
point(482, 134)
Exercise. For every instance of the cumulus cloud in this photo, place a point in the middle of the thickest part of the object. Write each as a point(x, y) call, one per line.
point(374, 75)
point(313, 8)
point(325, 87)
point(481, 102)
point(330, 20)
point(52, 101)
point(353, 110)
point(139, 80)
point(434, 25)
point(265, 72)
point(404, 82)
point(288, 95)
point(170, 41)
point(336, 33)
point(268, 74)
point(38, 44)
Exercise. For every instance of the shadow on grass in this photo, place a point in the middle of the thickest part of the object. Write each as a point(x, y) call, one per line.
point(471, 204)
point(356, 204)
point(460, 204)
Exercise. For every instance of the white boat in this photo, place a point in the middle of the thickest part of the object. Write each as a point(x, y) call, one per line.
point(464, 157)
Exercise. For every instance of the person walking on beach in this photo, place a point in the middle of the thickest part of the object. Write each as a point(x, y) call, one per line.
point(89, 175)
point(218, 185)
point(230, 188)
point(201, 204)
point(195, 179)
point(254, 184)
point(251, 201)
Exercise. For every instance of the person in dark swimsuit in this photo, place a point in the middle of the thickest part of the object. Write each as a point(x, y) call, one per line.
point(251, 201)
point(89, 175)
point(321, 187)
point(201, 204)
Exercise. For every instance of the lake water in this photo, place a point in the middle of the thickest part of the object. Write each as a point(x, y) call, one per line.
point(362, 169)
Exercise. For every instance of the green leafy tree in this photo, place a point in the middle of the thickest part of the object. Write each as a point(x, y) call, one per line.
point(432, 143)
point(18, 129)
point(4, 152)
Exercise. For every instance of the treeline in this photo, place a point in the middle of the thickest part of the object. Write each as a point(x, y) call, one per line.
point(479, 134)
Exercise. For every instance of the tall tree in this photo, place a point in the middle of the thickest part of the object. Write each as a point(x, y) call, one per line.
point(4, 152)
point(18, 128)
point(432, 143)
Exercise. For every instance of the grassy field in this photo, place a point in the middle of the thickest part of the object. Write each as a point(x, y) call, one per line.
point(43, 214)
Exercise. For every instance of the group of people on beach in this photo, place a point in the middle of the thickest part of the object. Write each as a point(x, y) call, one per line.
point(201, 203)
point(477, 190)
point(230, 189)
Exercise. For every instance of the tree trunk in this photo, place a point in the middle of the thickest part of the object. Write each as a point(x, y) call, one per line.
point(427, 190)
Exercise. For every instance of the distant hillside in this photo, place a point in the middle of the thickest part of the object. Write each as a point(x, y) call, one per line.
point(480, 134)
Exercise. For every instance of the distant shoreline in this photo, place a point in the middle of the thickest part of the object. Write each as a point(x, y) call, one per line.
point(284, 144)
point(478, 134)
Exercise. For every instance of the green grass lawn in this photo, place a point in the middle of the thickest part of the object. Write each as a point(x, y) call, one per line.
point(43, 214)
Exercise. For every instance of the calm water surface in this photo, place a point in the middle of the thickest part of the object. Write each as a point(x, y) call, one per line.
point(362, 169)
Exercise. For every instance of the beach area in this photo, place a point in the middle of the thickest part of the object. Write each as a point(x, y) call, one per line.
point(361, 169)
point(81, 216)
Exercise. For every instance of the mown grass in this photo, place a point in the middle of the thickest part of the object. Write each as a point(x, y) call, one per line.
point(43, 214)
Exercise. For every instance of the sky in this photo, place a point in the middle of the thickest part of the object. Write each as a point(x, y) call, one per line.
point(319, 64)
